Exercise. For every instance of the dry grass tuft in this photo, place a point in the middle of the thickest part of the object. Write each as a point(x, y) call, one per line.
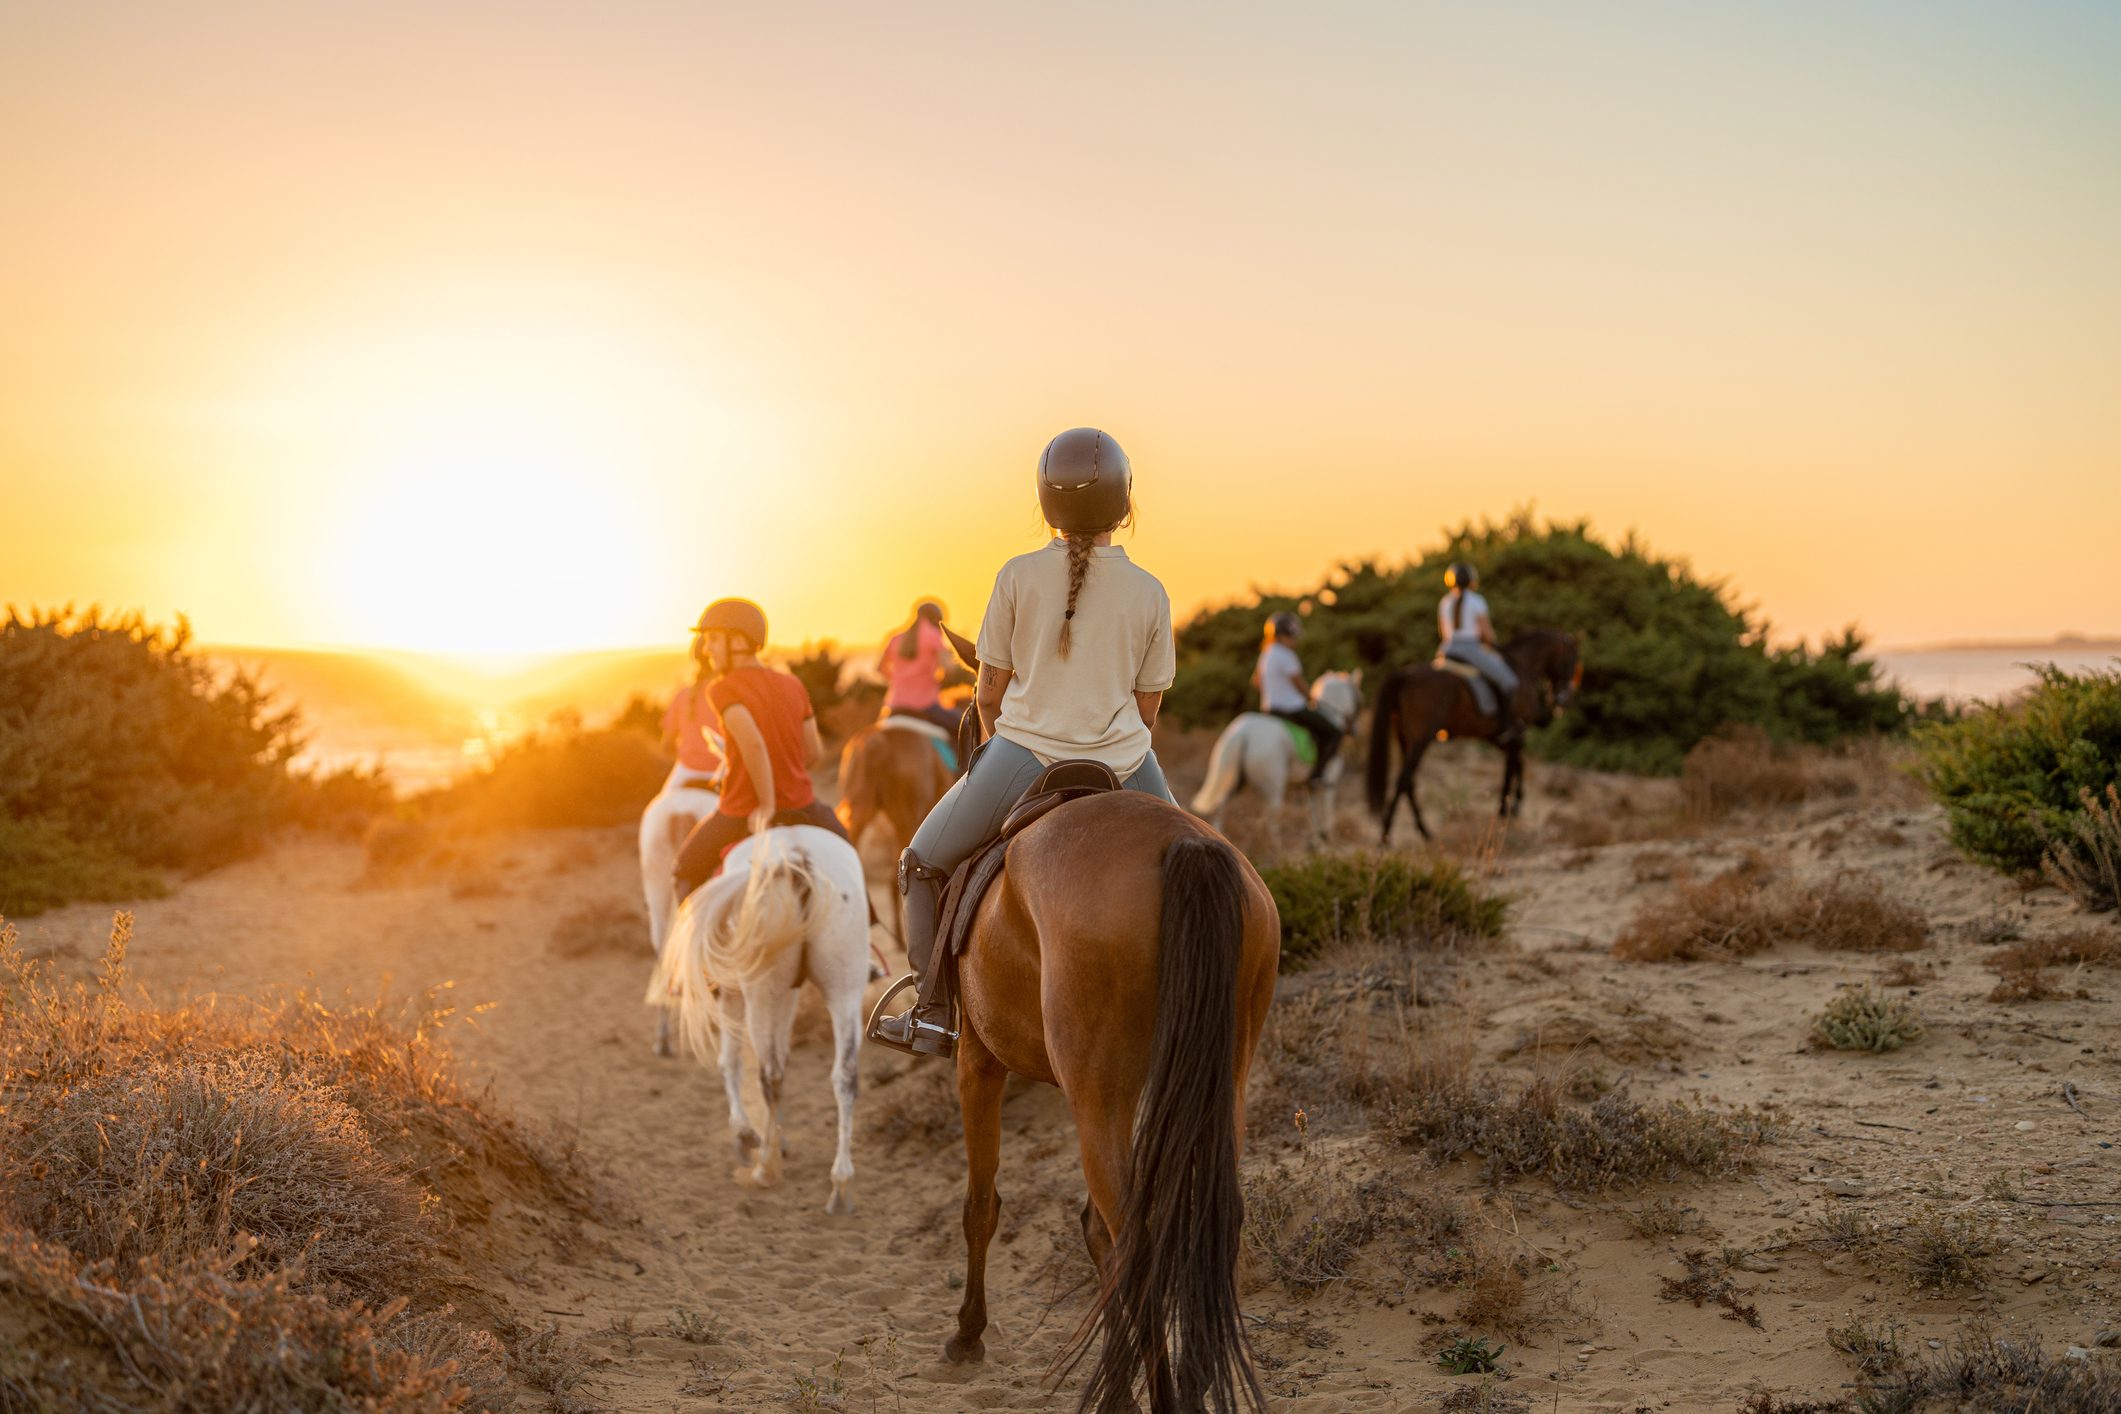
point(2023, 967)
point(1861, 1019)
point(1708, 1282)
point(1945, 1253)
point(1536, 1129)
point(1739, 768)
point(205, 1209)
point(1983, 1373)
point(1749, 909)
point(600, 926)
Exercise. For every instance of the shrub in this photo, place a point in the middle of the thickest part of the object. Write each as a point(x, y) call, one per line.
point(205, 1209)
point(1864, 1020)
point(1325, 898)
point(2084, 859)
point(1613, 1142)
point(2023, 967)
point(564, 775)
point(1746, 910)
point(123, 753)
point(1668, 658)
point(2013, 779)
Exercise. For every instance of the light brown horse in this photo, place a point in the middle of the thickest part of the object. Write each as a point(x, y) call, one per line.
point(893, 773)
point(1126, 954)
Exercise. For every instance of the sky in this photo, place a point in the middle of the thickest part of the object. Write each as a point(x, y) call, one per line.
point(492, 328)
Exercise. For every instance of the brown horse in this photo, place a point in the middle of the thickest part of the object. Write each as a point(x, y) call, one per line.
point(1421, 704)
point(1126, 954)
point(893, 773)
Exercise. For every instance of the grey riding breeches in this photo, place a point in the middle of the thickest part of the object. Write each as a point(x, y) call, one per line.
point(1492, 666)
point(971, 812)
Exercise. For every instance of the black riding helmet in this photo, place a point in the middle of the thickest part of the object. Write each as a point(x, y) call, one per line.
point(1085, 483)
point(1460, 576)
point(1286, 626)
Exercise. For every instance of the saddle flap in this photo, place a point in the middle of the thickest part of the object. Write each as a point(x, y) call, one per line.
point(1457, 669)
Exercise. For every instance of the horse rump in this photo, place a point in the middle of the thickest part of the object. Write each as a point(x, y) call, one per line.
point(730, 932)
point(1169, 1309)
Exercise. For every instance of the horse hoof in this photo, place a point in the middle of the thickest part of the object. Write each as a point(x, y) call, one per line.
point(747, 1147)
point(663, 1049)
point(959, 1351)
point(839, 1205)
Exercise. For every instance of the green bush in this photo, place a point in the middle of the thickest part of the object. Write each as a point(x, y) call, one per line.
point(2011, 777)
point(1326, 897)
point(1866, 1020)
point(1668, 658)
point(122, 753)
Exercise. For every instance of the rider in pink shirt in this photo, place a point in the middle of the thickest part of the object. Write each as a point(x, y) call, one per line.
point(912, 669)
point(687, 726)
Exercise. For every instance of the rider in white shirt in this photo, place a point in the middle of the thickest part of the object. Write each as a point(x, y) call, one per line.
point(1279, 676)
point(1469, 637)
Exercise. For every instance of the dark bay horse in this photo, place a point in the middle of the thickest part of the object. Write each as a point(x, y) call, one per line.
point(1422, 704)
point(1126, 954)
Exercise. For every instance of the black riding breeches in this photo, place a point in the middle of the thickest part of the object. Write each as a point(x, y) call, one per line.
point(1322, 731)
point(700, 857)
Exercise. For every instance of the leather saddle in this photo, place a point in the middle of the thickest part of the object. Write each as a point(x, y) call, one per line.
point(1055, 786)
point(1484, 695)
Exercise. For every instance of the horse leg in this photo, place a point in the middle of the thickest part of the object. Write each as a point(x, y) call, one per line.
point(1096, 1236)
point(1512, 767)
point(846, 1084)
point(769, 1013)
point(731, 1060)
point(980, 1078)
point(1406, 785)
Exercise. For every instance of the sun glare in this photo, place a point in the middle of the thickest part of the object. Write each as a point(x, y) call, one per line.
point(486, 500)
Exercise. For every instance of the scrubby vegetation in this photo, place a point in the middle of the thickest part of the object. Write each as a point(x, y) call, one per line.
point(2016, 780)
point(1360, 895)
point(122, 754)
point(1750, 909)
point(1743, 768)
point(1862, 1019)
point(209, 1210)
point(1668, 657)
point(2024, 969)
point(563, 775)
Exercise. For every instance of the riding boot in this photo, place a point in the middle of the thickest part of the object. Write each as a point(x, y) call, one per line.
point(925, 1030)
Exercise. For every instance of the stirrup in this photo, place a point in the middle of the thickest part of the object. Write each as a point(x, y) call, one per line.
point(910, 1032)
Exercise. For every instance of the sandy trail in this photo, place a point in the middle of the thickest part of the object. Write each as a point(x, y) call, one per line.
point(803, 1310)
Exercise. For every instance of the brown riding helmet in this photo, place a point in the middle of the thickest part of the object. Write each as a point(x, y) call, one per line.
point(1085, 483)
point(735, 616)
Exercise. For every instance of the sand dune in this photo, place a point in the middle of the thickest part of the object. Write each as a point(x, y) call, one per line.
point(851, 1313)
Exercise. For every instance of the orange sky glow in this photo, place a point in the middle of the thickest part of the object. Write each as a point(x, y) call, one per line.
point(508, 329)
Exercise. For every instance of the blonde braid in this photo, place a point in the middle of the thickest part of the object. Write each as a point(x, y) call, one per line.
point(1080, 544)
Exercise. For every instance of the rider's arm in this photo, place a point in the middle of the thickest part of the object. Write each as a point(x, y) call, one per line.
point(1148, 703)
point(813, 744)
point(1487, 631)
point(993, 682)
point(751, 750)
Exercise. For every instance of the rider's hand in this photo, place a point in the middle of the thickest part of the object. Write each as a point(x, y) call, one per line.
point(762, 819)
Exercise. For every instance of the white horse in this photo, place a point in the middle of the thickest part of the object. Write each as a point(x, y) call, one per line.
point(685, 799)
point(790, 904)
point(1258, 750)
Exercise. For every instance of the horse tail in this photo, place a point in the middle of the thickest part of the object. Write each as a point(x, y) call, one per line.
point(1173, 1272)
point(729, 934)
point(1226, 772)
point(1383, 727)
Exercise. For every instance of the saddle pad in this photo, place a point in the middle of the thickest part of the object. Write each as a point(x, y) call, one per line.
point(1306, 744)
point(1483, 690)
point(945, 747)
